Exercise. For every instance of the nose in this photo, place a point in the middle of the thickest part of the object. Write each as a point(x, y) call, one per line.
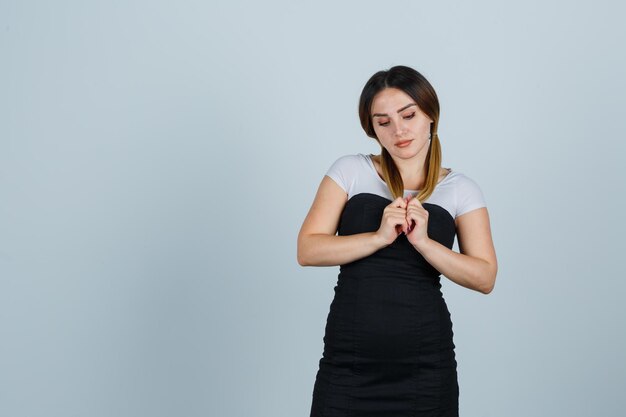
point(399, 127)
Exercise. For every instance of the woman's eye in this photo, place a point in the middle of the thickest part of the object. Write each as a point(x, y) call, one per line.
point(408, 117)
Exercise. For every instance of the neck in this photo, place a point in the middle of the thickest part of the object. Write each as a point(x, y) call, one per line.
point(413, 170)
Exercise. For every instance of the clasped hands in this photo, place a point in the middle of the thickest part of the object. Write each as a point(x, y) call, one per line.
point(405, 215)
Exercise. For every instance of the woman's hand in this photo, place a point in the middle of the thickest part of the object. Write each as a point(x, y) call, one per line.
point(394, 221)
point(417, 218)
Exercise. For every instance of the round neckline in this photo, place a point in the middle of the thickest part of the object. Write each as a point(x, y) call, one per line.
point(371, 163)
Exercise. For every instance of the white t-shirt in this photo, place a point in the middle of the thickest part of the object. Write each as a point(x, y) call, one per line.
point(456, 193)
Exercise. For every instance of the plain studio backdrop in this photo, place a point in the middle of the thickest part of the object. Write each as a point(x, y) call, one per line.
point(157, 160)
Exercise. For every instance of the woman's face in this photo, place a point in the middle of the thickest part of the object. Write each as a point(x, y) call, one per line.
point(401, 127)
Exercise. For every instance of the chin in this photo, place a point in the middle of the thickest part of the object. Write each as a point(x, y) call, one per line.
point(411, 151)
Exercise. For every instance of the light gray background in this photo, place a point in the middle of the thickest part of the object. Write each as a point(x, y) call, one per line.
point(157, 160)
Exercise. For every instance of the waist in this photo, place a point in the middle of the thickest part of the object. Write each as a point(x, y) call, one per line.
point(374, 281)
point(397, 272)
point(388, 292)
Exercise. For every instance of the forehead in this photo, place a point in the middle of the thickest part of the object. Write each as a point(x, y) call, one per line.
point(390, 99)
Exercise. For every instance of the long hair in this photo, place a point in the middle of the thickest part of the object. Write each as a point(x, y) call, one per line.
point(419, 89)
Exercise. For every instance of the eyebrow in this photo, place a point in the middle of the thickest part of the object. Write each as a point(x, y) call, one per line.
point(399, 110)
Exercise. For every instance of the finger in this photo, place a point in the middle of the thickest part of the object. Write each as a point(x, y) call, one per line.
point(394, 216)
point(417, 217)
point(397, 210)
point(407, 219)
point(410, 219)
point(415, 202)
point(414, 209)
point(399, 202)
point(399, 220)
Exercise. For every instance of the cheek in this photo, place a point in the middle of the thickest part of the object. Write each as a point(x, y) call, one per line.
point(422, 123)
point(425, 122)
point(380, 133)
point(421, 127)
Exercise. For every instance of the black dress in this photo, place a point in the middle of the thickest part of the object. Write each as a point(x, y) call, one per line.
point(388, 348)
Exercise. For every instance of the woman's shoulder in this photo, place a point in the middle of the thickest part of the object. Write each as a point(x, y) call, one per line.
point(346, 169)
point(460, 177)
point(352, 157)
point(468, 194)
point(349, 162)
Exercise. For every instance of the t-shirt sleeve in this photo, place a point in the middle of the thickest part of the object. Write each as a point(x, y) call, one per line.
point(343, 171)
point(469, 196)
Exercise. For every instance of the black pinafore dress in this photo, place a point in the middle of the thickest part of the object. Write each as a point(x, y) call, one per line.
point(388, 342)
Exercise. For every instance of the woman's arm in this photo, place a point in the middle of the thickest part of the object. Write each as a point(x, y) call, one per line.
point(318, 244)
point(476, 266)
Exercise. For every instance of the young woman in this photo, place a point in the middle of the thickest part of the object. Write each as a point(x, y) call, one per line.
point(388, 344)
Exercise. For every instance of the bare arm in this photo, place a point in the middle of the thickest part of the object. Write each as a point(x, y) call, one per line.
point(476, 266)
point(318, 244)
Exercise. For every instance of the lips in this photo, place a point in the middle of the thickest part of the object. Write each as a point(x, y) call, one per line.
point(403, 143)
